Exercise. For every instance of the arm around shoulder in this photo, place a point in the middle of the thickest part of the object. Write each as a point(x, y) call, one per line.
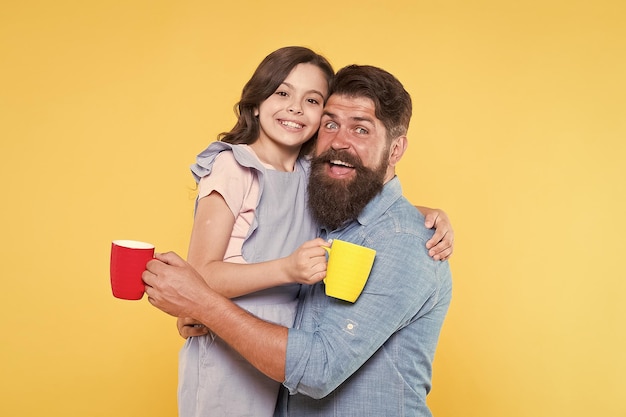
point(441, 245)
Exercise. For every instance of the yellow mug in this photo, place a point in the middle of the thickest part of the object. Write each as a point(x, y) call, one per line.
point(349, 267)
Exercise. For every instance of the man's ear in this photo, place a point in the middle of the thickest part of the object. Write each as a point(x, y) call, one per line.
point(398, 147)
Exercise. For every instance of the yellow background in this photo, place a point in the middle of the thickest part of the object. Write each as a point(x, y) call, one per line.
point(519, 132)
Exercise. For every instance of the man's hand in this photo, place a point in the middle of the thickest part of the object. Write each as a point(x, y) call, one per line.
point(188, 327)
point(174, 286)
point(441, 245)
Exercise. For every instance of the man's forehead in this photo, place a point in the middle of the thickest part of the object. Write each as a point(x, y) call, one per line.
point(350, 107)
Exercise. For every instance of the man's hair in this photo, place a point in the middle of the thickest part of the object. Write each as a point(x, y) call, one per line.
point(392, 102)
point(268, 76)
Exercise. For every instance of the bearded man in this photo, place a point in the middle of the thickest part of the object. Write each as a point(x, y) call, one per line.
point(372, 357)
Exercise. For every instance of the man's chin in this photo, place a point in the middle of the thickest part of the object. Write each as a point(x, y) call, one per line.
point(334, 199)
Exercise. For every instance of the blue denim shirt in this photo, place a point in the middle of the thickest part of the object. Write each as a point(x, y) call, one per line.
point(373, 357)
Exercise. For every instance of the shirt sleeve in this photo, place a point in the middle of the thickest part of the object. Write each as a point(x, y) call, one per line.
point(403, 287)
point(231, 180)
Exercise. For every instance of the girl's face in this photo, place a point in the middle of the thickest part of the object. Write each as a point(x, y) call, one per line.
point(291, 115)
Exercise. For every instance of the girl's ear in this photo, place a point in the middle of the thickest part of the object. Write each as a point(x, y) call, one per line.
point(256, 112)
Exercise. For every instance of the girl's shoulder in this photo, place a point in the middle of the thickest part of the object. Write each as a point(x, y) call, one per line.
point(240, 154)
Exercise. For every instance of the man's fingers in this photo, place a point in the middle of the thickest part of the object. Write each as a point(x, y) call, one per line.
point(148, 277)
point(192, 330)
point(170, 258)
point(155, 266)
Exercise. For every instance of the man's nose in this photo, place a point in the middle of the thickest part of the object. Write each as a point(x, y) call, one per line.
point(340, 140)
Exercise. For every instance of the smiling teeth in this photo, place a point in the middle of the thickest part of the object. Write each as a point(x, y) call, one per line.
point(337, 162)
point(291, 124)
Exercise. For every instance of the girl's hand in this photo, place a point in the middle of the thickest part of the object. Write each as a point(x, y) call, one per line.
point(441, 245)
point(307, 264)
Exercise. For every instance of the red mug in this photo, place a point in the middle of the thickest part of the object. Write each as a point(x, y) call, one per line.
point(128, 261)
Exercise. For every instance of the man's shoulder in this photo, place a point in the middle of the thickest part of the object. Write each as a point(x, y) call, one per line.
point(405, 217)
point(399, 228)
point(399, 238)
point(390, 213)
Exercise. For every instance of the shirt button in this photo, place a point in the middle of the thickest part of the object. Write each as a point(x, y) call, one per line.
point(350, 326)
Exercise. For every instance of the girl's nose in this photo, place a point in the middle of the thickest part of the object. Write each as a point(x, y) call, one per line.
point(295, 108)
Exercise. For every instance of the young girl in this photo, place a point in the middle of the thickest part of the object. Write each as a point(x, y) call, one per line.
point(252, 213)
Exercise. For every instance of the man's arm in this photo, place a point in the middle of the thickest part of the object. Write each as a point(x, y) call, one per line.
point(175, 287)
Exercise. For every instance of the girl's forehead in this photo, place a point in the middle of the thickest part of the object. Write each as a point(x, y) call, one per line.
point(307, 76)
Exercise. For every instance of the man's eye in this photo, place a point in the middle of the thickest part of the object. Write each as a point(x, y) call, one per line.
point(361, 131)
point(330, 125)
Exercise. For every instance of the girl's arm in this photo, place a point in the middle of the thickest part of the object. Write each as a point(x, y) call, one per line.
point(210, 235)
point(441, 245)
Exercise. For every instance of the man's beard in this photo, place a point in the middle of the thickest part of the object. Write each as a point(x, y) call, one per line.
point(332, 201)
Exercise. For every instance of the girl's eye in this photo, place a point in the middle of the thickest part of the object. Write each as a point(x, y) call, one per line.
point(282, 93)
point(313, 101)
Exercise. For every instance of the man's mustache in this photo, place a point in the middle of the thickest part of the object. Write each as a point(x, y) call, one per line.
point(333, 155)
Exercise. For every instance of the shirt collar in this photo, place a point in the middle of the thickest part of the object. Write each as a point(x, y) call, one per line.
point(391, 191)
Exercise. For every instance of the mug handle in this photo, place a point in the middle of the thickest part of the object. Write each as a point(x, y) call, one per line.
point(327, 249)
